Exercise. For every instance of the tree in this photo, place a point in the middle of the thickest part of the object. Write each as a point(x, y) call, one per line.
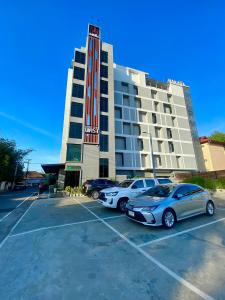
point(10, 158)
point(218, 136)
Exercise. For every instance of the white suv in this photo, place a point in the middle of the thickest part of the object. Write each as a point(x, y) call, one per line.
point(117, 197)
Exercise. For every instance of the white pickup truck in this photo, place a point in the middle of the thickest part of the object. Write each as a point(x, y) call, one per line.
point(117, 197)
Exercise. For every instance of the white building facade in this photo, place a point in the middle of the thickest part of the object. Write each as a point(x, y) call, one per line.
point(119, 122)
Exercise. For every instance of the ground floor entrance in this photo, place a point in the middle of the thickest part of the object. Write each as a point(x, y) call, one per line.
point(72, 178)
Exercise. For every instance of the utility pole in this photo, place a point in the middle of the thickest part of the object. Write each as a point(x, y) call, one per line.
point(14, 177)
point(152, 154)
point(28, 163)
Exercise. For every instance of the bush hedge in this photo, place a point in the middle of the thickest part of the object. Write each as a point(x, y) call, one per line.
point(206, 183)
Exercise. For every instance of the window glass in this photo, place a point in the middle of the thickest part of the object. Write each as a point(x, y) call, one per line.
point(75, 130)
point(119, 159)
point(126, 183)
point(120, 143)
point(150, 182)
point(73, 152)
point(78, 90)
point(159, 191)
point(104, 104)
point(80, 57)
point(118, 112)
point(104, 123)
point(183, 190)
point(78, 73)
point(104, 71)
point(154, 119)
point(103, 167)
point(104, 143)
point(76, 110)
point(195, 189)
point(164, 180)
point(104, 87)
point(139, 184)
point(104, 56)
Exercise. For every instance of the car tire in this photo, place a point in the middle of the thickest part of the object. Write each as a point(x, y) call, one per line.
point(168, 218)
point(121, 205)
point(95, 194)
point(210, 208)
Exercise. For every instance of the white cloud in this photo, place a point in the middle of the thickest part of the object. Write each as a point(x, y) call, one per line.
point(29, 126)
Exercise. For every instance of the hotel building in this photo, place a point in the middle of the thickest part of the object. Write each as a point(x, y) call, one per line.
point(119, 122)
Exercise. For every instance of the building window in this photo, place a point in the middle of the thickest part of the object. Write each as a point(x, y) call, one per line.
point(167, 109)
point(78, 73)
point(153, 94)
point(104, 143)
point(173, 121)
point(103, 104)
point(121, 143)
point(137, 102)
point(126, 128)
point(125, 87)
point(154, 119)
point(118, 112)
point(169, 97)
point(171, 147)
point(104, 123)
point(169, 133)
point(143, 160)
point(104, 87)
point(104, 56)
point(158, 132)
point(73, 152)
point(126, 100)
point(119, 159)
point(136, 129)
point(156, 105)
point(159, 146)
point(76, 110)
point(140, 145)
point(158, 161)
point(78, 90)
point(75, 131)
point(178, 158)
point(135, 90)
point(80, 57)
point(142, 116)
point(104, 71)
point(103, 167)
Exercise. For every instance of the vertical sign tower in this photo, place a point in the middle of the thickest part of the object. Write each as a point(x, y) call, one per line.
point(91, 129)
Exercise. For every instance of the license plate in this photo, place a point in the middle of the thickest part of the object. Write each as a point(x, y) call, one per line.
point(131, 213)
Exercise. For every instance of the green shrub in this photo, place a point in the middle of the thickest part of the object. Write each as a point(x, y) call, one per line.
point(220, 183)
point(206, 183)
point(68, 189)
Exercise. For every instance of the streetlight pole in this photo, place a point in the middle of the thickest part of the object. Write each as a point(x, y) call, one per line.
point(151, 152)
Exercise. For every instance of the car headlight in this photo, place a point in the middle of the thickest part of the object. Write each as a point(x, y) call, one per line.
point(111, 194)
point(149, 208)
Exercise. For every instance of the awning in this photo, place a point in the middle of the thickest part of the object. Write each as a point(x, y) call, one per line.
point(52, 168)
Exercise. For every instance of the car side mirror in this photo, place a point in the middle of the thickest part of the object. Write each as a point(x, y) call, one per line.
point(178, 196)
point(134, 186)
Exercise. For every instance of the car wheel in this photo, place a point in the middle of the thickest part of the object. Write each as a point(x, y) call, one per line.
point(168, 218)
point(95, 195)
point(122, 205)
point(210, 208)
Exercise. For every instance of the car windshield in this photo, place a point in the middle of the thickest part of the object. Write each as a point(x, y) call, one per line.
point(126, 183)
point(159, 191)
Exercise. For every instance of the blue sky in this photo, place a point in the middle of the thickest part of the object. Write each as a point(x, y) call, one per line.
point(181, 40)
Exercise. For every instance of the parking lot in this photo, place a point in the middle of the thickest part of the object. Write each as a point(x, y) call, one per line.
point(72, 248)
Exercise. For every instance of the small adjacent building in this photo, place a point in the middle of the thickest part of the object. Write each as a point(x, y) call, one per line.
point(33, 178)
point(213, 154)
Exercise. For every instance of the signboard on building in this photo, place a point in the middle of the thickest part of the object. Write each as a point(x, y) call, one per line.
point(91, 128)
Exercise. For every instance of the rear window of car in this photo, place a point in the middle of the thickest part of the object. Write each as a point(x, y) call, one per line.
point(164, 180)
point(150, 182)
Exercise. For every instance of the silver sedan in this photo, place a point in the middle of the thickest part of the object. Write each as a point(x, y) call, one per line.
point(166, 204)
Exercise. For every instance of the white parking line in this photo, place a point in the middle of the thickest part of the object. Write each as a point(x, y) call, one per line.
point(180, 233)
point(16, 207)
point(62, 225)
point(152, 259)
point(11, 230)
